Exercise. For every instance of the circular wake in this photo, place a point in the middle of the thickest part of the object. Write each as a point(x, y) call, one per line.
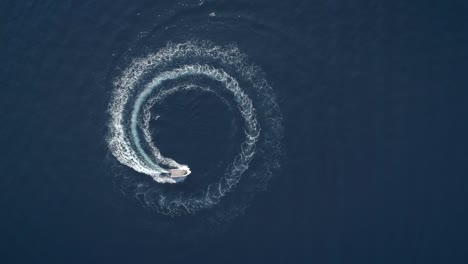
point(188, 66)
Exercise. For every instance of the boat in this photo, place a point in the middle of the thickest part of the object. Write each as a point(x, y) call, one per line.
point(178, 173)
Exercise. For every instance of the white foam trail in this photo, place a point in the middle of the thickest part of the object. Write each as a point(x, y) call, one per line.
point(128, 120)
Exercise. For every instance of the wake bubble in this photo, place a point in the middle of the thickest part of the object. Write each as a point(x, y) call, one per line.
point(144, 83)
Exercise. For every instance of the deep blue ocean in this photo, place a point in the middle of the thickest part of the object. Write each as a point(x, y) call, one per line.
point(362, 154)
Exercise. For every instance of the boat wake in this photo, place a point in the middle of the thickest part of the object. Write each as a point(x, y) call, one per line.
point(150, 79)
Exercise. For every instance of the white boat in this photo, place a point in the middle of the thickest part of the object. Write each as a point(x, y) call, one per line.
point(178, 173)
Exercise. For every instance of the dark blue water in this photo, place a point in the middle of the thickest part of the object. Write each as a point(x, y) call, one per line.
point(374, 160)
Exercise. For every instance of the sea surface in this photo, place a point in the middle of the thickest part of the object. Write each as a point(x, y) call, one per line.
point(361, 157)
